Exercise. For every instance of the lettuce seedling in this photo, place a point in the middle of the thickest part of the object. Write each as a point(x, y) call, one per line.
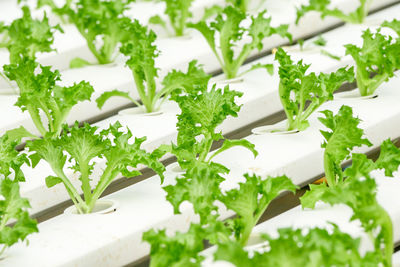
point(100, 22)
point(302, 93)
point(376, 61)
point(231, 35)
point(27, 36)
point(202, 111)
point(15, 223)
point(354, 186)
point(178, 12)
point(249, 202)
point(323, 7)
point(177, 250)
point(81, 147)
point(340, 141)
point(141, 53)
point(296, 247)
point(39, 94)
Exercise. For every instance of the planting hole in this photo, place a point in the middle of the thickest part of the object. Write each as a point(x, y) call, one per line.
point(138, 111)
point(272, 129)
point(175, 168)
point(231, 81)
point(102, 206)
point(354, 94)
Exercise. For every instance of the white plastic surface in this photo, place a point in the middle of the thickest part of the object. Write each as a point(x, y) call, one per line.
point(396, 259)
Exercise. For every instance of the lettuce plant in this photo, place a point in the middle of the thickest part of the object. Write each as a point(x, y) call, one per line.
point(354, 186)
point(296, 247)
point(202, 111)
point(301, 93)
point(27, 36)
point(81, 147)
point(229, 48)
point(141, 53)
point(15, 223)
point(178, 13)
point(100, 22)
point(323, 7)
point(44, 100)
point(249, 202)
point(376, 61)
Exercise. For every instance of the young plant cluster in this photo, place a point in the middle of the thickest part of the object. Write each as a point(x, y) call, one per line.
point(28, 36)
point(178, 13)
point(324, 7)
point(86, 159)
point(47, 103)
point(15, 223)
point(355, 187)
point(81, 146)
point(141, 53)
point(377, 59)
point(202, 111)
point(234, 43)
point(100, 22)
point(302, 93)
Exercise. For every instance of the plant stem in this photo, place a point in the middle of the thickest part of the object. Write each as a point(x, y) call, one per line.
point(37, 120)
point(3, 249)
point(108, 176)
point(205, 152)
point(329, 171)
point(290, 121)
point(264, 203)
point(362, 87)
point(78, 201)
point(387, 229)
point(86, 188)
point(378, 80)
